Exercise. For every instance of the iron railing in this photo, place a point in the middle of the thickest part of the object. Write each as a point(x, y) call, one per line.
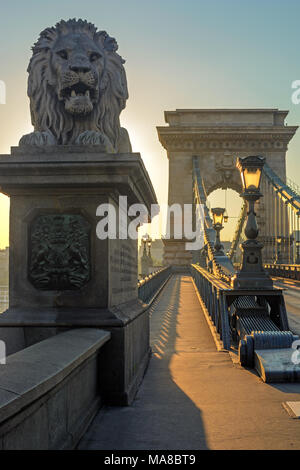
point(220, 265)
point(238, 230)
point(237, 312)
point(149, 286)
point(212, 292)
point(284, 191)
point(290, 271)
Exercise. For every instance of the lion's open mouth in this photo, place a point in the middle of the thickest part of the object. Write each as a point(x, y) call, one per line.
point(79, 98)
point(79, 89)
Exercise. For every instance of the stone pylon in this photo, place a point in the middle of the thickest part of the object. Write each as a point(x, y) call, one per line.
point(217, 137)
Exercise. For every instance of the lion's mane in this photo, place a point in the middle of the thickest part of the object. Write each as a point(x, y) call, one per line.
point(47, 112)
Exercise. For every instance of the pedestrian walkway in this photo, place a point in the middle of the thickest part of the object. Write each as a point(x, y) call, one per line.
point(192, 396)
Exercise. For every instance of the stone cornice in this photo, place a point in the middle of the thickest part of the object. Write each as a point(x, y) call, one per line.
point(230, 116)
point(187, 138)
point(76, 172)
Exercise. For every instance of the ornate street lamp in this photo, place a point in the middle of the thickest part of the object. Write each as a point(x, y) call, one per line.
point(278, 255)
point(144, 241)
point(218, 216)
point(145, 258)
point(149, 243)
point(252, 274)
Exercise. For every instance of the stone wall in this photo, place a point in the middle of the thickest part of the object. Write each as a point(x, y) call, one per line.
point(49, 403)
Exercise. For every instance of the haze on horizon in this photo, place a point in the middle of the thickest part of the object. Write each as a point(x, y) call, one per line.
point(192, 54)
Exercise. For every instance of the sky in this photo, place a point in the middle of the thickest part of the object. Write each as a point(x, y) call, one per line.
point(179, 54)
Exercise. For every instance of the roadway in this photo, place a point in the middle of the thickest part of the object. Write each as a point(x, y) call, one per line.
point(292, 301)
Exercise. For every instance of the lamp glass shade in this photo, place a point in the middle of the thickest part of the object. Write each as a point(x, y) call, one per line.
point(218, 215)
point(250, 169)
point(251, 178)
point(279, 240)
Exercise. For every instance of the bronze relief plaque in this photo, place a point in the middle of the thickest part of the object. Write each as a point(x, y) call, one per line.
point(59, 252)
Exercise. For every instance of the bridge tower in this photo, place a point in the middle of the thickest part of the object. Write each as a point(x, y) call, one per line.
point(217, 137)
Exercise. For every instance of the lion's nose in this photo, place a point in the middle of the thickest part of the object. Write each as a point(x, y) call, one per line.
point(80, 65)
point(80, 68)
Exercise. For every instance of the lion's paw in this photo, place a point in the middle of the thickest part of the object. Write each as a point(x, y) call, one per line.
point(38, 139)
point(95, 138)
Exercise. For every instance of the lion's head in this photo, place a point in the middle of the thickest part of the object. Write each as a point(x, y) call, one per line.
point(76, 82)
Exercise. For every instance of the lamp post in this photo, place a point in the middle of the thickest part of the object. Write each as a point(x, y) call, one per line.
point(278, 254)
point(144, 241)
point(149, 243)
point(218, 216)
point(145, 259)
point(252, 274)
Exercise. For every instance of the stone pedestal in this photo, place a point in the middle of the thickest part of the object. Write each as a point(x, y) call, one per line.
point(61, 274)
point(251, 275)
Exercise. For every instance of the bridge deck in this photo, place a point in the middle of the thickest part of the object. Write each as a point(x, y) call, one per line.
point(193, 397)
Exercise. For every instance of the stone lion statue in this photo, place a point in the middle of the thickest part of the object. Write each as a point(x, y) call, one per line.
point(77, 88)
